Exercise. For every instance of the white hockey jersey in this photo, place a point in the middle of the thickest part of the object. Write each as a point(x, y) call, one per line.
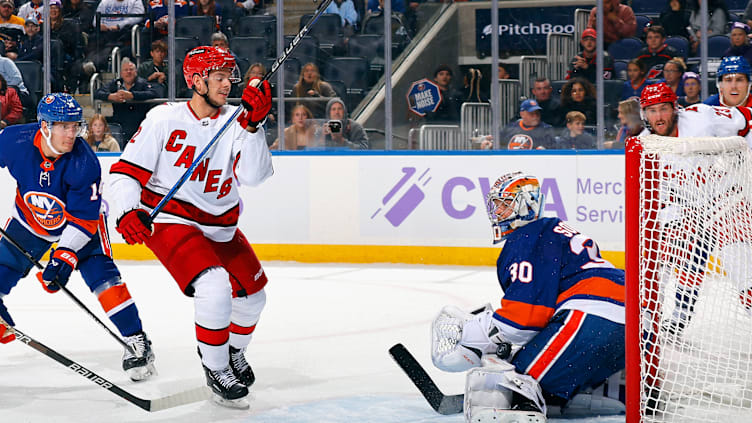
point(166, 144)
point(701, 120)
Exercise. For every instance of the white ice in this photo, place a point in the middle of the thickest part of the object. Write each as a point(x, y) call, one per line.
point(319, 351)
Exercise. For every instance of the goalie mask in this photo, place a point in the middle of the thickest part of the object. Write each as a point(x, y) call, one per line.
point(513, 201)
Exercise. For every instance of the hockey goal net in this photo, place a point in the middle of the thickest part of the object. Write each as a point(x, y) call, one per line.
point(689, 274)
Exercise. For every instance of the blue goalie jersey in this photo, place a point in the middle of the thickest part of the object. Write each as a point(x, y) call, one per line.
point(547, 266)
point(51, 193)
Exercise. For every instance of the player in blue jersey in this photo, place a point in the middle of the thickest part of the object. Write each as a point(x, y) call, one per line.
point(58, 199)
point(560, 327)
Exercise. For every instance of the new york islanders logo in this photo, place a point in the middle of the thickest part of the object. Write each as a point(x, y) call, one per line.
point(47, 209)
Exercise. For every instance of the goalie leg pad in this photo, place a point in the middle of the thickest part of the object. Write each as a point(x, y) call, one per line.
point(495, 415)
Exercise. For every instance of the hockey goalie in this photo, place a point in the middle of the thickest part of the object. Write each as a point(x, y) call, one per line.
point(559, 330)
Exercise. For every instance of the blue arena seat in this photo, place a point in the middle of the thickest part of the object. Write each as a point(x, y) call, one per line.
point(250, 50)
point(350, 70)
point(620, 69)
point(648, 7)
point(642, 22)
point(717, 45)
point(31, 72)
point(307, 51)
point(680, 43)
point(328, 29)
point(626, 48)
point(183, 45)
point(258, 26)
point(199, 27)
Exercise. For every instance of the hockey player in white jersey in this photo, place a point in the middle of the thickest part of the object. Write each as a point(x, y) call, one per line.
point(196, 236)
point(663, 117)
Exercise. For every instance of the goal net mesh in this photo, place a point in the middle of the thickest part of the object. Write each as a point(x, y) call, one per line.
point(695, 275)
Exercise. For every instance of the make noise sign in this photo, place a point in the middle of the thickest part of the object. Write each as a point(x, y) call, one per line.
point(424, 96)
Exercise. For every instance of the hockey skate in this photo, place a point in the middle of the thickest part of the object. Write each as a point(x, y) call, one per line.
point(240, 367)
point(139, 366)
point(226, 388)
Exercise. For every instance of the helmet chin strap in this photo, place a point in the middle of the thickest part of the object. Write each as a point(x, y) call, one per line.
point(48, 138)
point(206, 98)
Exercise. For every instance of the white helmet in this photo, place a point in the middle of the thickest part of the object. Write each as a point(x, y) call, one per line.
point(518, 192)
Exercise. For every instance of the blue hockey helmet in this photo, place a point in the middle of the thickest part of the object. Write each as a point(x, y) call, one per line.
point(734, 64)
point(514, 200)
point(59, 107)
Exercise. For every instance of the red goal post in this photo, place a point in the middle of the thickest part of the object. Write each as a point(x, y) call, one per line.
point(688, 251)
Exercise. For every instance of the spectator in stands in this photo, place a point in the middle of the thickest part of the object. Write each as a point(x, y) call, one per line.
point(113, 31)
point(70, 36)
point(12, 76)
point(400, 23)
point(527, 133)
point(448, 112)
point(11, 110)
point(691, 83)
point(209, 8)
point(549, 104)
point(740, 42)
point(31, 10)
point(99, 137)
point(377, 5)
point(631, 122)
point(299, 135)
point(158, 15)
point(80, 10)
point(719, 16)
point(578, 94)
point(31, 43)
point(219, 39)
point(250, 7)
point(618, 21)
point(126, 94)
point(636, 79)
point(347, 13)
point(10, 24)
point(340, 130)
point(673, 71)
point(675, 19)
point(256, 70)
point(310, 85)
point(583, 65)
point(155, 70)
point(656, 52)
point(733, 79)
point(574, 135)
point(503, 74)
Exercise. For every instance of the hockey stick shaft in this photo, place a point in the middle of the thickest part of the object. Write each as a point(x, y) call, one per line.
point(175, 400)
point(275, 66)
point(442, 404)
point(75, 299)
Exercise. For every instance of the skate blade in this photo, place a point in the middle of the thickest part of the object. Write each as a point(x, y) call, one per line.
point(239, 404)
point(138, 374)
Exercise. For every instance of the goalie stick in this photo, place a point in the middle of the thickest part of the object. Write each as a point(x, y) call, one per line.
point(163, 403)
point(442, 404)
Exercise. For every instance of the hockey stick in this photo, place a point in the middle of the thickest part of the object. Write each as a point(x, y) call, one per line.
point(275, 66)
point(75, 299)
point(170, 401)
point(442, 404)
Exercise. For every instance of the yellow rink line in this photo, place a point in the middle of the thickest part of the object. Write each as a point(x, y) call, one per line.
point(306, 253)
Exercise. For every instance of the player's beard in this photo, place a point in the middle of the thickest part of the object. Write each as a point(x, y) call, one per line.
point(669, 128)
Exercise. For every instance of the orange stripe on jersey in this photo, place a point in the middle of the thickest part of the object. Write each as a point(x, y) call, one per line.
point(89, 225)
point(134, 171)
point(556, 345)
point(242, 330)
point(214, 337)
point(104, 237)
point(527, 315)
point(28, 216)
point(113, 297)
point(595, 286)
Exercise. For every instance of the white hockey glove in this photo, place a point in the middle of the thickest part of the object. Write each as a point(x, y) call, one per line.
point(459, 339)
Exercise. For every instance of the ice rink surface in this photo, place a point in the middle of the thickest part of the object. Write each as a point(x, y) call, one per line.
point(319, 351)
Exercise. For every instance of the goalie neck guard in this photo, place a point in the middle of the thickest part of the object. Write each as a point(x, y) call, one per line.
point(513, 201)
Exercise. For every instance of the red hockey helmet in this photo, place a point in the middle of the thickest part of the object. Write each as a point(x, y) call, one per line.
point(204, 59)
point(657, 94)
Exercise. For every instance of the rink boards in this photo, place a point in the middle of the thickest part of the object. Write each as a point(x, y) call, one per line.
point(403, 207)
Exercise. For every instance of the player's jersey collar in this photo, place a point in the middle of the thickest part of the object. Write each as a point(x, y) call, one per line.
point(47, 164)
point(188, 103)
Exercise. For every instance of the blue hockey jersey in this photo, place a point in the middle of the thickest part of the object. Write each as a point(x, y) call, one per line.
point(547, 266)
point(51, 193)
